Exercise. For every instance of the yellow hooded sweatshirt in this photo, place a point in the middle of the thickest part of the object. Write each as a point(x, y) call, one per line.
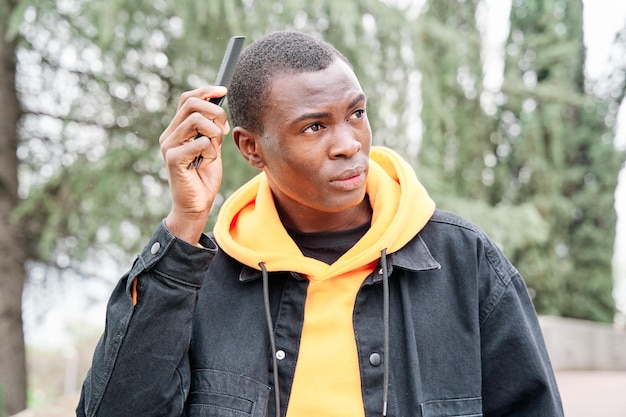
point(327, 378)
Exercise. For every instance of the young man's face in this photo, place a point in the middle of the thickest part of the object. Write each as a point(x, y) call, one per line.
point(315, 146)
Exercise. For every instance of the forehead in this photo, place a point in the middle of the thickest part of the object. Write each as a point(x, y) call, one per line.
point(293, 93)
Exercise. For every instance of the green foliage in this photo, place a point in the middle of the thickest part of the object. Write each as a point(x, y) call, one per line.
point(456, 129)
point(561, 160)
point(15, 13)
point(528, 230)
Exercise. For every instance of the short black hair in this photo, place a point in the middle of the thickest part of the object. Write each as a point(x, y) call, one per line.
point(275, 53)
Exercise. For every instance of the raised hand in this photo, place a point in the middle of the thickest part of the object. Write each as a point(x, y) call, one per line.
point(193, 190)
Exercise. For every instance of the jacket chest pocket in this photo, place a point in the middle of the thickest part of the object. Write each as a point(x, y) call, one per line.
point(216, 393)
point(461, 407)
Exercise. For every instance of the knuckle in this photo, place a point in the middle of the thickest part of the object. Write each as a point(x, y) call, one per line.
point(184, 97)
point(189, 104)
point(196, 118)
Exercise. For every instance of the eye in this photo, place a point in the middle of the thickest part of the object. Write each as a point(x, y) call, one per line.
point(312, 128)
point(358, 114)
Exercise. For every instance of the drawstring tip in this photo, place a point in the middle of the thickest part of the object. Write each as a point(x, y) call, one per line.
point(385, 409)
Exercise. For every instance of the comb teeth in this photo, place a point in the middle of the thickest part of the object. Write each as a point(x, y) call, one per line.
point(227, 67)
point(225, 73)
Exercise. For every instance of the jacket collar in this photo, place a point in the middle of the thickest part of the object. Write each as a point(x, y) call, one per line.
point(414, 256)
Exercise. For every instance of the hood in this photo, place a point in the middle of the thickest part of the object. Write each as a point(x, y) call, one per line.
point(249, 229)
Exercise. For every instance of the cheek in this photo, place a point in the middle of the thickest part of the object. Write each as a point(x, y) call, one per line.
point(366, 132)
point(305, 181)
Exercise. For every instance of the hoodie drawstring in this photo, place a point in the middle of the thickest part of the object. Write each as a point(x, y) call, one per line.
point(383, 261)
point(270, 328)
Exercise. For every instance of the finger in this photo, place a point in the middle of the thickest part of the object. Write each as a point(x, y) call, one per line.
point(197, 102)
point(195, 125)
point(194, 112)
point(205, 159)
point(203, 93)
point(180, 157)
point(203, 126)
point(204, 106)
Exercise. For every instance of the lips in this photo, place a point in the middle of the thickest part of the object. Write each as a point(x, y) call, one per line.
point(349, 180)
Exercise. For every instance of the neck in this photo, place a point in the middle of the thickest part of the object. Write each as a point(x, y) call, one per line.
point(327, 222)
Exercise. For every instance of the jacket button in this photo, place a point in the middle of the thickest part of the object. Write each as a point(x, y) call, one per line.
point(156, 246)
point(375, 359)
point(280, 354)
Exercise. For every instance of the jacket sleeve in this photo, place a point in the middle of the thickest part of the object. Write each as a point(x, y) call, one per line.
point(518, 379)
point(140, 366)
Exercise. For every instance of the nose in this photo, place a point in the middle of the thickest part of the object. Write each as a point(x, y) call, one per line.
point(345, 144)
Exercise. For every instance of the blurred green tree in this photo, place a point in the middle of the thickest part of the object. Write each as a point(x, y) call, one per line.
point(457, 157)
point(554, 149)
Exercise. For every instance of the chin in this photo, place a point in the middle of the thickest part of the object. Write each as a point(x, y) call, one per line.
point(351, 204)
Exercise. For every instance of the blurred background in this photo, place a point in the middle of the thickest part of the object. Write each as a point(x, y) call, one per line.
point(508, 109)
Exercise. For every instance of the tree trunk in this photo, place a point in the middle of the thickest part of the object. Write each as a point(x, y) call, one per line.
point(12, 244)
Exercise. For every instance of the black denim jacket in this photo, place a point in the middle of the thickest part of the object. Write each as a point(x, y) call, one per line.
point(464, 337)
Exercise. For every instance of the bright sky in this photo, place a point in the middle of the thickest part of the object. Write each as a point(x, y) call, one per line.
point(602, 19)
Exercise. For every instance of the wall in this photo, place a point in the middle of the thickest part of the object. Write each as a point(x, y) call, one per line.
point(584, 345)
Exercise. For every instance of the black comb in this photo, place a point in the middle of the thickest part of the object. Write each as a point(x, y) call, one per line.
point(224, 77)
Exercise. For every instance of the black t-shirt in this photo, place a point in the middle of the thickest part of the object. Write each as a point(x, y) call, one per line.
point(328, 246)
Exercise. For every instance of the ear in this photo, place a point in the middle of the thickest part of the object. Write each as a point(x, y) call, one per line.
point(249, 146)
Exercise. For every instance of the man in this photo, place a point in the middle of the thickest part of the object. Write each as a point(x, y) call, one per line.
point(330, 287)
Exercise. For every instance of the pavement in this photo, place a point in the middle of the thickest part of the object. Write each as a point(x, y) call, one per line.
point(593, 393)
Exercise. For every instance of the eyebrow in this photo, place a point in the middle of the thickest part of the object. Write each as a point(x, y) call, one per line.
point(356, 100)
point(321, 115)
